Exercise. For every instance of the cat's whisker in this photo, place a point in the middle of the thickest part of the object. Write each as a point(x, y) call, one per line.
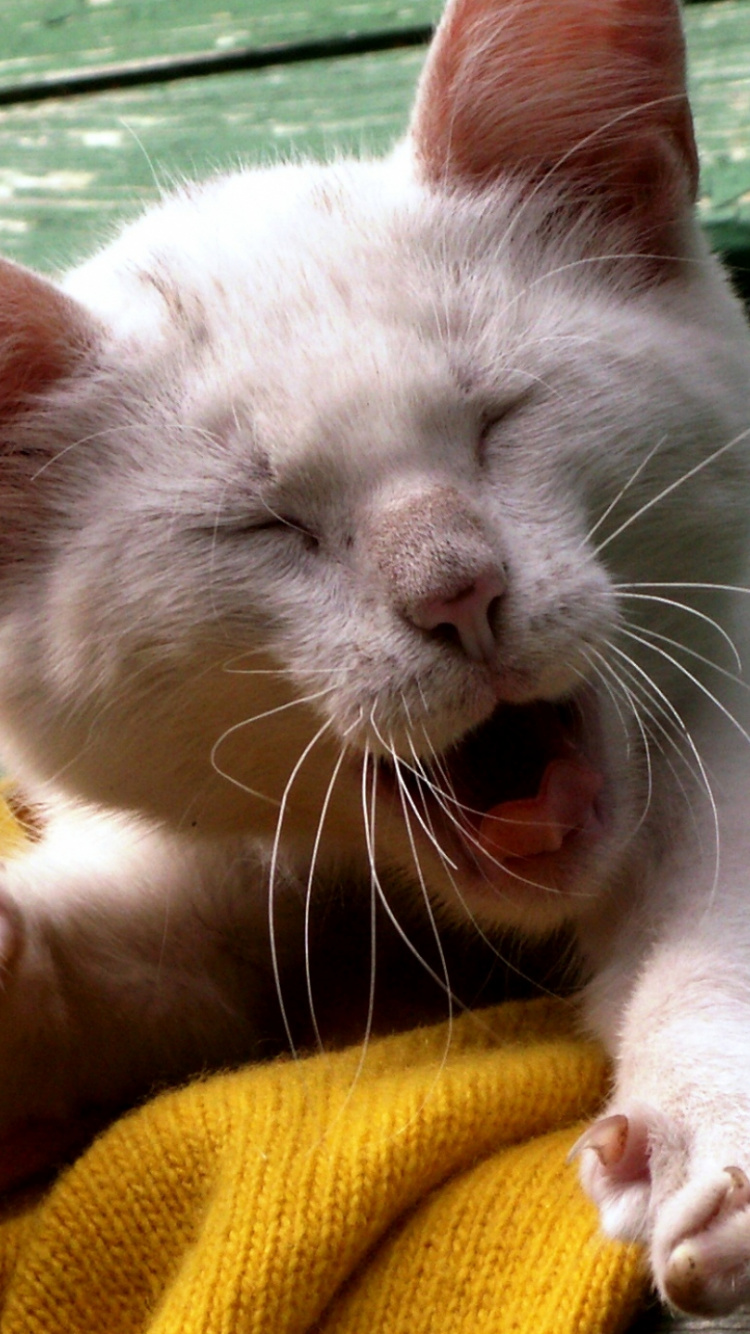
point(423, 698)
point(469, 840)
point(247, 722)
point(681, 583)
point(309, 893)
point(405, 707)
point(282, 671)
point(375, 881)
point(212, 556)
point(649, 767)
point(673, 486)
point(425, 784)
point(632, 630)
point(624, 591)
point(611, 692)
point(67, 449)
point(464, 831)
point(368, 809)
point(451, 998)
point(443, 982)
point(502, 957)
point(445, 797)
point(398, 762)
point(620, 118)
point(272, 870)
point(700, 685)
point(604, 257)
point(405, 797)
point(635, 474)
point(703, 778)
point(443, 855)
point(89, 438)
point(641, 708)
point(640, 711)
point(638, 694)
point(441, 795)
point(160, 188)
point(448, 795)
point(654, 687)
point(229, 668)
point(456, 1001)
point(368, 820)
point(702, 781)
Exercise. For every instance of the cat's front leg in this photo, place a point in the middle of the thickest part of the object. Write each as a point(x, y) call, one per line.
point(669, 1162)
point(127, 957)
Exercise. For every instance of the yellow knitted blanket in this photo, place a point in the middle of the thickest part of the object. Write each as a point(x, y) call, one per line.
point(418, 1188)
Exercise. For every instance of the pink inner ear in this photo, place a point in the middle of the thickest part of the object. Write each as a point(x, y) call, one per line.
point(43, 336)
point(591, 92)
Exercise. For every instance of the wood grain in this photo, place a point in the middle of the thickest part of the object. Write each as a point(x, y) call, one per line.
point(42, 37)
point(719, 51)
point(73, 167)
point(70, 169)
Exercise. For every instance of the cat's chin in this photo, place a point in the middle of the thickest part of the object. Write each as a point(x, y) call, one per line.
point(521, 807)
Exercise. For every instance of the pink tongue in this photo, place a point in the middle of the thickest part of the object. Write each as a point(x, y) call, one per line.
point(564, 802)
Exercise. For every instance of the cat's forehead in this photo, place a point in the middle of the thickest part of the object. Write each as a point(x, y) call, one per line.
point(288, 247)
point(337, 315)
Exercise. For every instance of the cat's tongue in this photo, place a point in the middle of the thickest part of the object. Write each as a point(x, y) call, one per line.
point(534, 825)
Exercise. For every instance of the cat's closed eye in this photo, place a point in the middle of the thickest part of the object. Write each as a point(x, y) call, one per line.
point(493, 417)
point(249, 525)
point(284, 524)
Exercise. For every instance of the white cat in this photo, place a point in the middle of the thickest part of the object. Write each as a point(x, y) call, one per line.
point(382, 516)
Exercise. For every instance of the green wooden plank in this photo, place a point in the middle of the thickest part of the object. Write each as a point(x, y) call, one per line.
point(43, 37)
point(719, 47)
point(69, 169)
point(51, 36)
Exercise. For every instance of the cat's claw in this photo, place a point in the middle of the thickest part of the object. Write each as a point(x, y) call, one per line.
point(707, 1270)
point(640, 1171)
point(614, 1165)
point(608, 1137)
point(621, 1146)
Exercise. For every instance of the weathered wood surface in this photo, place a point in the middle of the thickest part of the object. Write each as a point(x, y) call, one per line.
point(719, 61)
point(71, 167)
point(45, 37)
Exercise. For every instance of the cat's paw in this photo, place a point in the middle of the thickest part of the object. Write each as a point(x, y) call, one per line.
point(701, 1244)
point(615, 1170)
point(640, 1169)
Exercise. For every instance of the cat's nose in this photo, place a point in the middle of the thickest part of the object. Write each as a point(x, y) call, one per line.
point(468, 614)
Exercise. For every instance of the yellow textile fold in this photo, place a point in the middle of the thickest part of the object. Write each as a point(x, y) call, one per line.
point(420, 1186)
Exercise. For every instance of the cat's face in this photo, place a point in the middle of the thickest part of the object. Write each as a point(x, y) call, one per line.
point(335, 512)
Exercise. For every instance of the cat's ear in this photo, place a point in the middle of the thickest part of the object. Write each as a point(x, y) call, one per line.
point(586, 95)
point(46, 340)
point(44, 337)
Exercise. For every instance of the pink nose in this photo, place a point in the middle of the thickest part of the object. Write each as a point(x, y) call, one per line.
point(469, 612)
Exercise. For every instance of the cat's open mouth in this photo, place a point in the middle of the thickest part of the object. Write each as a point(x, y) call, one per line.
point(523, 785)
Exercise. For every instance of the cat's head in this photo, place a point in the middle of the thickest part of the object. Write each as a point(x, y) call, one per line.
point(322, 485)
